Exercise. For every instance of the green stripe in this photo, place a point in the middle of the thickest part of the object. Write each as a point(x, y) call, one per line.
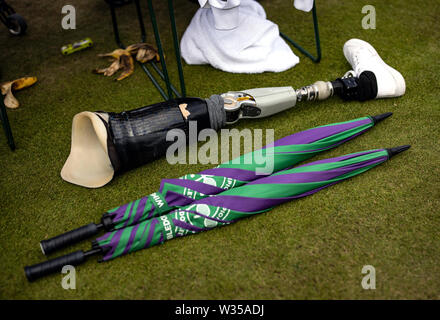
point(136, 241)
point(344, 122)
point(125, 236)
point(127, 211)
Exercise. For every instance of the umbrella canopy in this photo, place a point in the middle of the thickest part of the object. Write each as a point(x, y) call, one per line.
point(255, 197)
point(175, 193)
point(222, 209)
point(285, 152)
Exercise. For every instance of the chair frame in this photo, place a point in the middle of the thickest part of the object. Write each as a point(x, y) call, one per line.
point(318, 56)
point(171, 90)
point(6, 126)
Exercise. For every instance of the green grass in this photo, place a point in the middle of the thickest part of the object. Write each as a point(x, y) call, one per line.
point(310, 248)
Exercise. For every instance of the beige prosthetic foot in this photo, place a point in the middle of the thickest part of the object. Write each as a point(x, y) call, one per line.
point(88, 164)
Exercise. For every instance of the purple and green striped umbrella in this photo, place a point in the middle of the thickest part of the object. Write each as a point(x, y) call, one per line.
point(174, 193)
point(225, 208)
point(231, 205)
point(286, 152)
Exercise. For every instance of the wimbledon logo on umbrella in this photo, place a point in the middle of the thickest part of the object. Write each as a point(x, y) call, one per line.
point(216, 181)
point(198, 216)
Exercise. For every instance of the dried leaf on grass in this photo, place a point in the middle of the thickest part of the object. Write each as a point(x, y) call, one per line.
point(122, 59)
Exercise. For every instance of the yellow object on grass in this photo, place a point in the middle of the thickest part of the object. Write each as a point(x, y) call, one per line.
point(8, 87)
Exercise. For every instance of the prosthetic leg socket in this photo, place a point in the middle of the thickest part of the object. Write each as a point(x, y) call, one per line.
point(108, 143)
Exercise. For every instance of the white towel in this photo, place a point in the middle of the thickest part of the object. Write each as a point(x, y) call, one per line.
point(243, 41)
point(225, 13)
point(303, 5)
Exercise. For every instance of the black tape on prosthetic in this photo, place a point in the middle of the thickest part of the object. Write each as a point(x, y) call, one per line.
point(360, 88)
point(139, 136)
point(111, 148)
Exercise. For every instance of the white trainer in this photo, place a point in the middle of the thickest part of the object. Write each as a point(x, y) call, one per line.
point(363, 57)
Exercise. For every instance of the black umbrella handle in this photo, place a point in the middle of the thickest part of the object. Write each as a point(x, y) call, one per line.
point(54, 265)
point(68, 238)
point(76, 235)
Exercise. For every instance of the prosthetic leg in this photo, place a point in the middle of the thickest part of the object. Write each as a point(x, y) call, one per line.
point(105, 144)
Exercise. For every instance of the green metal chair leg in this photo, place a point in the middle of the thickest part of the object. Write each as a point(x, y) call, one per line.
point(163, 74)
point(143, 39)
point(317, 40)
point(177, 47)
point(159, 47)
point(5, 122)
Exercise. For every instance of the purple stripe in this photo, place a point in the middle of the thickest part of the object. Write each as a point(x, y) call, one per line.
point(143, 232)
point(188, 226)
point(244, 204)
point(251, 205)
point(150, 214)
point(119, 213)
point(151, 232)
point(194, 185)
point(113, 244)
point(234, 173)
point(341, 158)
point(104, 237)
point(140, 210)
point(130, 212)
point(328, 147)
point(177, 199)
point(130, 240)
point(315, 134)
point(315, 176)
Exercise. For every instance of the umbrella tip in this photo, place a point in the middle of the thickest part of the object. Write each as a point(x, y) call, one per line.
point(380, 117)
point(397, 150)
